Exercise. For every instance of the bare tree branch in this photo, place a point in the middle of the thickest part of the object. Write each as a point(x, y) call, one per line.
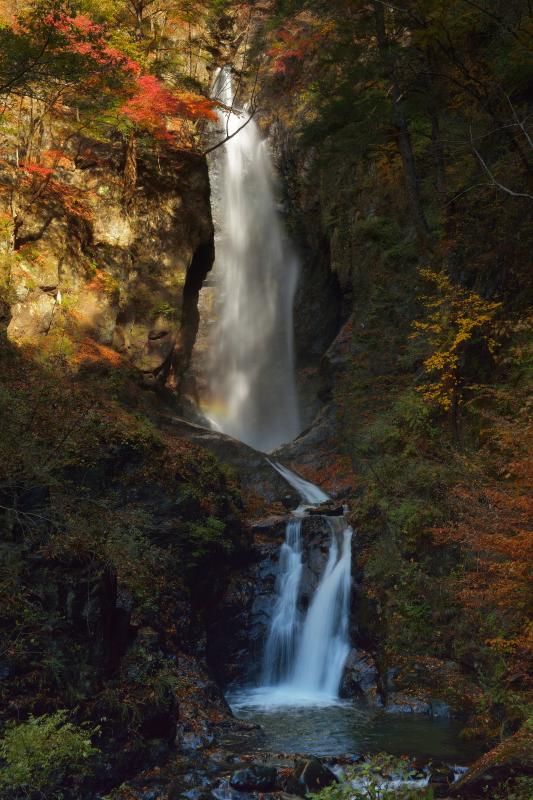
point(230, 135)
point(520, 124)
point(494, 182)
point(499, 20)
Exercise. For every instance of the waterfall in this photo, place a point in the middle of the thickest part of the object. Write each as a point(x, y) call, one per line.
point(252, 397)
point(251, 370)
point(324, 643)
point(305, 654)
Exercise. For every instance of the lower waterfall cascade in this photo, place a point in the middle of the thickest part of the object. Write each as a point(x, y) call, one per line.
point(296, 700)
point(305, 653)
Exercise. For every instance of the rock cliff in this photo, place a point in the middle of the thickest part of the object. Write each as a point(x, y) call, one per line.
point(90, 266)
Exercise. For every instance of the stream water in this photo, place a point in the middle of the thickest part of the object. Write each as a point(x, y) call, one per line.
point(297, 701)
point(348, 728)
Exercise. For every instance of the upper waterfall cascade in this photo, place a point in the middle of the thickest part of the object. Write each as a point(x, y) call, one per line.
point(251, 371)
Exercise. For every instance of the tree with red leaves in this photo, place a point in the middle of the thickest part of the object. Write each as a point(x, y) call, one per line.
point(162, 112)
point(49, 49)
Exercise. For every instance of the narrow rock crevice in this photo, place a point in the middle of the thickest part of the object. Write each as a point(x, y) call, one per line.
point(201, 263)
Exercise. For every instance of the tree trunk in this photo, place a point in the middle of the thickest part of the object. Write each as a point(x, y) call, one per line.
point(437, 148)
point(438, 154)
point(130, 170)
point(411, 180)
point(454, 417)
point(402, 132)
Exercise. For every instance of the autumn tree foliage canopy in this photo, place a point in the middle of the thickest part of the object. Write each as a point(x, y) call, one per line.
point(86, 69)
point(152, 105)
point(53, 55)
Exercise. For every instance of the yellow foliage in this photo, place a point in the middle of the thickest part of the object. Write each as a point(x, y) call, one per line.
point(454, 317)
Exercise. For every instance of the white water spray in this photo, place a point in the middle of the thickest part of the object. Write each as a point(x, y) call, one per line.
point(251, 370)
point(281, 644)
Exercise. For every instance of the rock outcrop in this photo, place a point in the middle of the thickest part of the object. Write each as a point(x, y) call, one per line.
point(251, 466)
point(91, 269)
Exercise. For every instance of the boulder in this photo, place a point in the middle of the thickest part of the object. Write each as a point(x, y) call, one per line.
point(255, 778)
point(401, 703)
point(440, 779)
point(441, 710)
point(309, 776)
point(360, 675)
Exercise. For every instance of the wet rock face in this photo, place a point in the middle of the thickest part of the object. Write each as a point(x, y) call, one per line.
point(125, 275)
point(318, 302)
point(320, 441)
point(309, 776)
point(361, 677)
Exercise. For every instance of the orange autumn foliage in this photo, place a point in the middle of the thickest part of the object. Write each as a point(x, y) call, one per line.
point(493, 528)
point(91, 351)
point(39, 181)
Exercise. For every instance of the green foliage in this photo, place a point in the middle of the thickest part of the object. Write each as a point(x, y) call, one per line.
point(207, 540)
point(165, 309)
point(86, 484)
point(45, 755)
point(8, 260)
point(369, 779)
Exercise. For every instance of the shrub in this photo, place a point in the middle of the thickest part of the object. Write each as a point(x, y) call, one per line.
point(43, 755)
point(520, 788)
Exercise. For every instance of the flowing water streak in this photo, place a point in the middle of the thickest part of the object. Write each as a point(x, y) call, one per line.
point(308, 491)
point(251, 371)
point(324, 643)
point(281, 642)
